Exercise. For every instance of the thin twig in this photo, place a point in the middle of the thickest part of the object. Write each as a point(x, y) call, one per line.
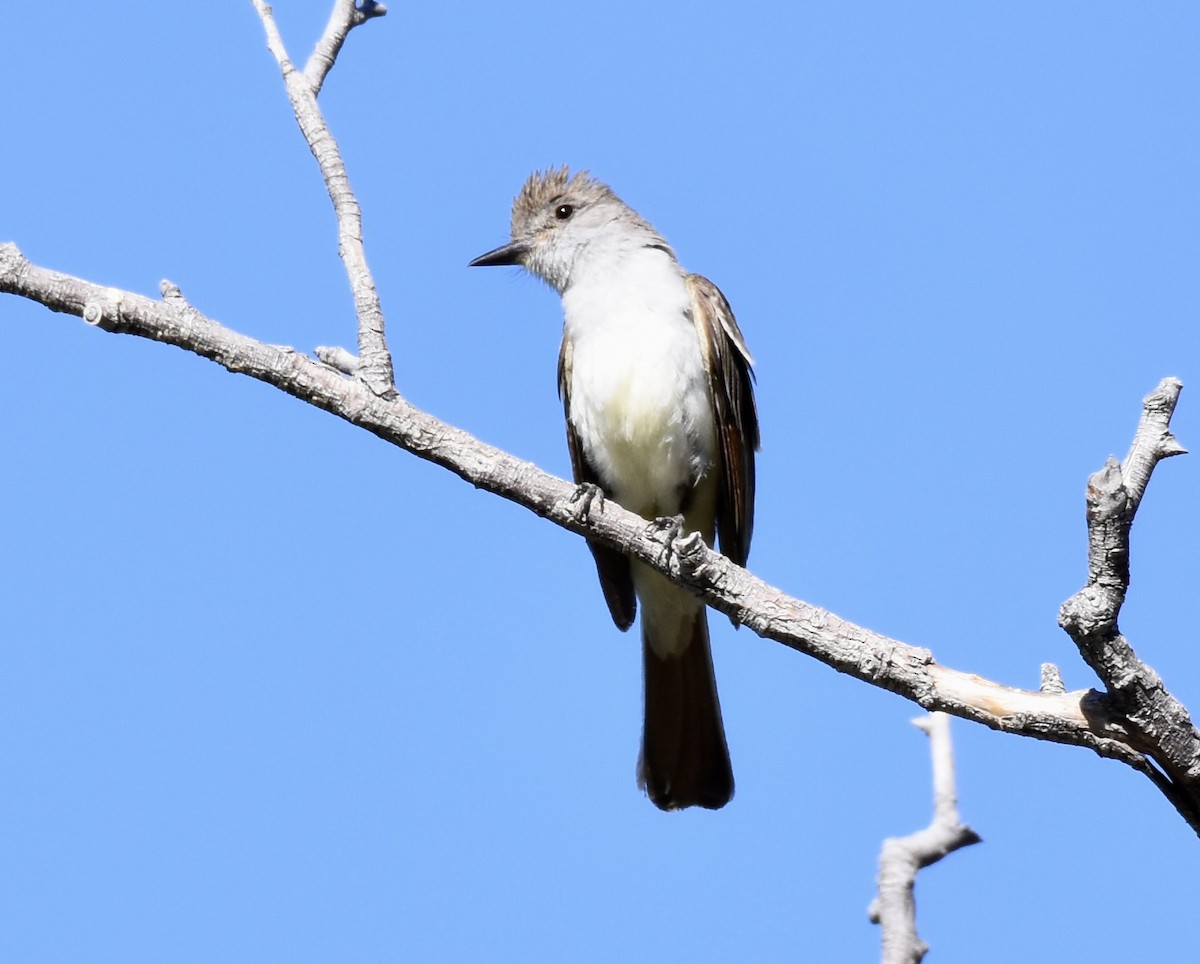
point(345, 17)
point(375, 361)
point(895, 908)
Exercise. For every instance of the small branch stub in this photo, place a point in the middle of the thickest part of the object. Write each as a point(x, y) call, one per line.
point(172, 294)
point(108, 305)
point(1052, 681)
point(337, 357)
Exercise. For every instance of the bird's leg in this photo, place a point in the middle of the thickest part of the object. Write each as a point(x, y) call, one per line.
point(666, 529)
point(586, 495)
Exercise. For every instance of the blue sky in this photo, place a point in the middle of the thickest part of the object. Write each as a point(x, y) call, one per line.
point(273, 690)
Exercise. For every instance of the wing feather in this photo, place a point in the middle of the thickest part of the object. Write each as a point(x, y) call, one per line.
point(731, 384)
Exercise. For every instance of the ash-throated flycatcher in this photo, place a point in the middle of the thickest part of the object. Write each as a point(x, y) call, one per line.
point(656, 384)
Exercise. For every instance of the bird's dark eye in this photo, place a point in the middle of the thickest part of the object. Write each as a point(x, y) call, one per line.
point(564, 211)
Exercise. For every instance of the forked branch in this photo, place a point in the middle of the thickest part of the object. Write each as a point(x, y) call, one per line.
point(1159, 725)
point(895, 907)
point(374, 359)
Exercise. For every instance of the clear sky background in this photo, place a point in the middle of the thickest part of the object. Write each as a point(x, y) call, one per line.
point(273, 690)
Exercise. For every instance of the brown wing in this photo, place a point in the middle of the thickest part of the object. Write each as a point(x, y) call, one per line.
point(616, 581)
point(731, 383)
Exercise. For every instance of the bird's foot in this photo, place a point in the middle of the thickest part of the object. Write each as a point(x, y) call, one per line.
point(586, 495)
point(666, 529)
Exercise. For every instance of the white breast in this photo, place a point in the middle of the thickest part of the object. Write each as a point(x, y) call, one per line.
point(639, 395)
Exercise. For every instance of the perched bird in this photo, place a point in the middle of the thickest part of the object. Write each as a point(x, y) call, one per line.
point(657, 388)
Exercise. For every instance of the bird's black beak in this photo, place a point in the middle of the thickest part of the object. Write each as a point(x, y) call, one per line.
point(512, 253)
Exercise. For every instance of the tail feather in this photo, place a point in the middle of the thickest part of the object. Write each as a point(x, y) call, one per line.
point(684, 760)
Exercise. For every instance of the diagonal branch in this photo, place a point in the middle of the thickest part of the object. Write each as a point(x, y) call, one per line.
point(375, 361)
point(1080, 718)
point(1135, 722)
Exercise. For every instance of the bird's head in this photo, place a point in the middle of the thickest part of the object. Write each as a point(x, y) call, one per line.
point(560, 221)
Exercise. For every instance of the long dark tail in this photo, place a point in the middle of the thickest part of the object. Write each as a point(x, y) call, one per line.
point(685, 760)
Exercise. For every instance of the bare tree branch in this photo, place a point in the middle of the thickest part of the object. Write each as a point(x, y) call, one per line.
point(375, 361)
point(1159, 725)
point(895, 908)
point(1137, 722)
point(345, 17)
point(1082, 718)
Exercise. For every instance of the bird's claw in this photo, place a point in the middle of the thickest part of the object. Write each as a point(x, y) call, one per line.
point(586, 495)
point(666, 529)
